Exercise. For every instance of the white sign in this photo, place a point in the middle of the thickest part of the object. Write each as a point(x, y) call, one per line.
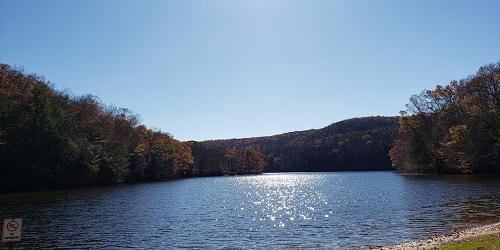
point(12, 230)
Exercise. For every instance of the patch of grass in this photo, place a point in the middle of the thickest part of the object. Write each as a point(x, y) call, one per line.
point(485, 242)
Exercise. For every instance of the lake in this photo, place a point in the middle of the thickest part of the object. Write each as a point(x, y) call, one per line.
point(281, 210)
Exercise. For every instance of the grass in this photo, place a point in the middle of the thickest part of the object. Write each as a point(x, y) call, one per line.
point(485, 242)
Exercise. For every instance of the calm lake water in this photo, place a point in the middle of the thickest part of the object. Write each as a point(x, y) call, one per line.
point(284, 210)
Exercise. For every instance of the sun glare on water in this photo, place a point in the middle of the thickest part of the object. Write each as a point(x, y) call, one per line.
point(283, 199)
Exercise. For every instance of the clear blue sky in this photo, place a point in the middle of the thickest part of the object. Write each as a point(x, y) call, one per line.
point(224, 69)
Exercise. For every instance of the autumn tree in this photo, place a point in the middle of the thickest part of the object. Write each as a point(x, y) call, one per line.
point(452, 129)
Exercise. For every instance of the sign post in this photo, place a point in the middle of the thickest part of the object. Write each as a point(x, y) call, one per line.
point(12, 231)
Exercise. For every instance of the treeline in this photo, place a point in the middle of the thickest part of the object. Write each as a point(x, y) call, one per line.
point(214, 160)
point(51, 139)
point(452, 129)
point(354, 144)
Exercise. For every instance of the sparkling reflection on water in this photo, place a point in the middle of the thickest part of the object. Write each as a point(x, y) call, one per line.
point(285, 210)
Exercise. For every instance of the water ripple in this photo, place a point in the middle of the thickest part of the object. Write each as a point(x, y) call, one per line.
point(290, 210)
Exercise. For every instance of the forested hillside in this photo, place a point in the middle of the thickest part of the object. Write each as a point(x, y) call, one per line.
point(214, 160)
point(51, 139)
point(452, 129)
point(354, 144)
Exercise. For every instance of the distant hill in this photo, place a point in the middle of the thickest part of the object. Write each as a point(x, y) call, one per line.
point(353, 144)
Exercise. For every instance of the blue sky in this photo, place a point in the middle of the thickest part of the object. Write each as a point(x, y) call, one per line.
point(240, 68)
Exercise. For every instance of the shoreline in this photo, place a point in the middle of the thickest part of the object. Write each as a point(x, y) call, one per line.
point(455, 236)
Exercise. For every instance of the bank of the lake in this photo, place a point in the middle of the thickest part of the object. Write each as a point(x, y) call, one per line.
point(486, 237)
